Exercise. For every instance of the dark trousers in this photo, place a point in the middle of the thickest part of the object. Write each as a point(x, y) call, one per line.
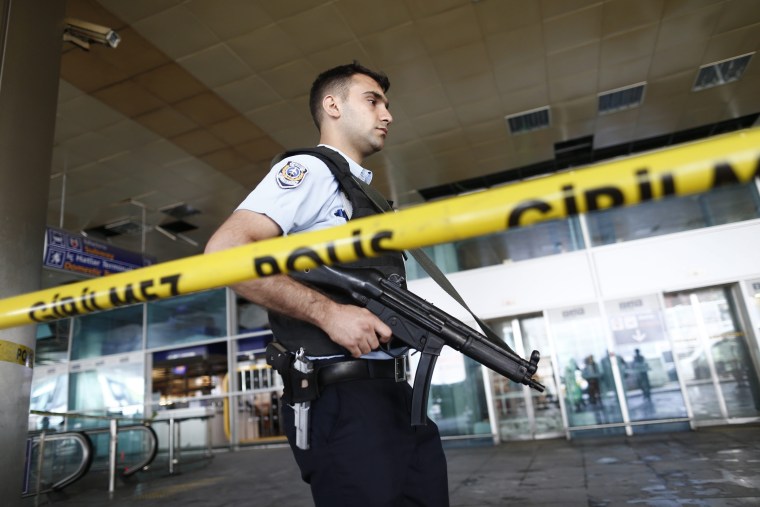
point(364, 451)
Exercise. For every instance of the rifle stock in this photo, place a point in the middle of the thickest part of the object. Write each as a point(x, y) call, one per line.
point(423, 327)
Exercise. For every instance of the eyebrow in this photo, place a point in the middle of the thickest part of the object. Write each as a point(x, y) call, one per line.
point(379, 96)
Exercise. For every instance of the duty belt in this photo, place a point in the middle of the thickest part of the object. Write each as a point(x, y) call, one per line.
point(360, 369)
point(304, 379)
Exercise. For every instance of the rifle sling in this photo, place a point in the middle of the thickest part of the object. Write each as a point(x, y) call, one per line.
point(428, 265)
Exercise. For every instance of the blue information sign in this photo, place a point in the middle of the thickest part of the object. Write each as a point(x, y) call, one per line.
point(75, 253)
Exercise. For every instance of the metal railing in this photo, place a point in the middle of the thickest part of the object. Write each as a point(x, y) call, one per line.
point(66, 445)
point(75, 452)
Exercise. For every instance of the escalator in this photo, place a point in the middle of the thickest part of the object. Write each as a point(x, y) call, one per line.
point(69, 456)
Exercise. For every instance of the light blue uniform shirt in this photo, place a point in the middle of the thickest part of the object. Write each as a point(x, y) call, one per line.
point(301, 194)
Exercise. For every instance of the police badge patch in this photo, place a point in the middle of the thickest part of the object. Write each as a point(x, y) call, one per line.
point(291, 175)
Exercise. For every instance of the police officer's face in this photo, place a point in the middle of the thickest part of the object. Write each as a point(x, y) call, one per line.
point(365, 115)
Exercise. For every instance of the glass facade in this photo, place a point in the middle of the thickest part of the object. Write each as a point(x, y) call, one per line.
point(645, 359)
point(457, 400)
point(108, 388)
point(675, 214)
point(522, 412)
point(539, 240)
point(585, 367)
point(187, 319)
point(713, 353)
point(102, 334)
point(52, 342)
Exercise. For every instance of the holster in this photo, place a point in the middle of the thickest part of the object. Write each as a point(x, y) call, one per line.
point(299, 387)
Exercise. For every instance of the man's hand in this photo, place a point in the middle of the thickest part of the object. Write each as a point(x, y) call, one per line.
point(356, 329)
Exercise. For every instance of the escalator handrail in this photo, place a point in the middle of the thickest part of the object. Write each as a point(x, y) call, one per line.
point(153, 440)
point(87, 457)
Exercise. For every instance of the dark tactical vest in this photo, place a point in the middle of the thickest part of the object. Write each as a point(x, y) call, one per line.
point(294, 333)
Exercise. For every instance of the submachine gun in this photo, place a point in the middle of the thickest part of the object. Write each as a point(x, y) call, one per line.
point(423, 327)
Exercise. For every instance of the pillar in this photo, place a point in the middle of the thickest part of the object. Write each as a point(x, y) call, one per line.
point(30, 60)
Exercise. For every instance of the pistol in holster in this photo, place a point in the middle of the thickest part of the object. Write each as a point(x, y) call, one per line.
point(298, 376)
point(300, 386)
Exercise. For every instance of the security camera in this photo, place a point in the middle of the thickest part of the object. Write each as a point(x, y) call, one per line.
point(82, 33)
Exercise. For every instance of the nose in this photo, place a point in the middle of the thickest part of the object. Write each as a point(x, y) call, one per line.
point(386, 116)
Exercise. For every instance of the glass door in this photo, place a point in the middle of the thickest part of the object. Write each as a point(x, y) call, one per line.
point(584, 363)
point(712, 354)
point(521, 412)
point(644, 358)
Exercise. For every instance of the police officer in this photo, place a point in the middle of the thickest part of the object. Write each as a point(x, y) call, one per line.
point(362, 449)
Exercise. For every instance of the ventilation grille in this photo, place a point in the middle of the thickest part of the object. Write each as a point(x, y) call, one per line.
point(180, 210)
point(528, 121)
point(622, 98)
point(720, 73)
point(126, 226)
point(178, 226)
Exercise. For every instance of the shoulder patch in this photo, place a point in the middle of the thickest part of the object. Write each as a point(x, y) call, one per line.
point(291, 175)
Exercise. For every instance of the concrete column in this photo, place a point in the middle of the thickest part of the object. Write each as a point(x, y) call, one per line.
point(30, 60)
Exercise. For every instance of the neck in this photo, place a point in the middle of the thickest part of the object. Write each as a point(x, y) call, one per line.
point(343, 146)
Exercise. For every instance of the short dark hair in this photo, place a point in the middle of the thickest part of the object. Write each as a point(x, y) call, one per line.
point(337, 78)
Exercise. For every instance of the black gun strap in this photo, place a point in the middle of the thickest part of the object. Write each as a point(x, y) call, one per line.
point(428, 265)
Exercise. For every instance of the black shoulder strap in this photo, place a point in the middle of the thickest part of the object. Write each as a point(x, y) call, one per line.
point(340, 169)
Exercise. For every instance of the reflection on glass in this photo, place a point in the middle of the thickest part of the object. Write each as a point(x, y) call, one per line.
point(258, 416)
point(49, 394)
point(112, 332)
point(251, 317)
point(546, 407)
point(457, 400)
point(52, 342)
point(522, 412)
point(510, 404)
point(182, 374)
point(585, 366)
point(444, 256)
point(187, 319)
point(111, 389)
point(258, 409)
point(723, 205)
point(711, 349)
point(646, 367)
point(538, 240)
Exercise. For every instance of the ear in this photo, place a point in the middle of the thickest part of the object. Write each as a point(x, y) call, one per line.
point(330, 106)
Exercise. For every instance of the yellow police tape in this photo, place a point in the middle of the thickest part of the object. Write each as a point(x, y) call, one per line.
point(14, 353)
point(686, 169)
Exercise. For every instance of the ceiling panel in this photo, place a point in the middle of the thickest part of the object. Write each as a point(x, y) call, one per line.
point(215, 66)
point(623, 15)
point(203, 93)
point(576, 28)
point(176, 31)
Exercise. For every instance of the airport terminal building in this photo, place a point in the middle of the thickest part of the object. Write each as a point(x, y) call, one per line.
point(647, 319)
point(131, 149)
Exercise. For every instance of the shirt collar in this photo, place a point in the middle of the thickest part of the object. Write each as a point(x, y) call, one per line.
point(363, 174)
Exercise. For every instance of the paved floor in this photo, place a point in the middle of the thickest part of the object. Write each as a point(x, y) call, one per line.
point(712, 467)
